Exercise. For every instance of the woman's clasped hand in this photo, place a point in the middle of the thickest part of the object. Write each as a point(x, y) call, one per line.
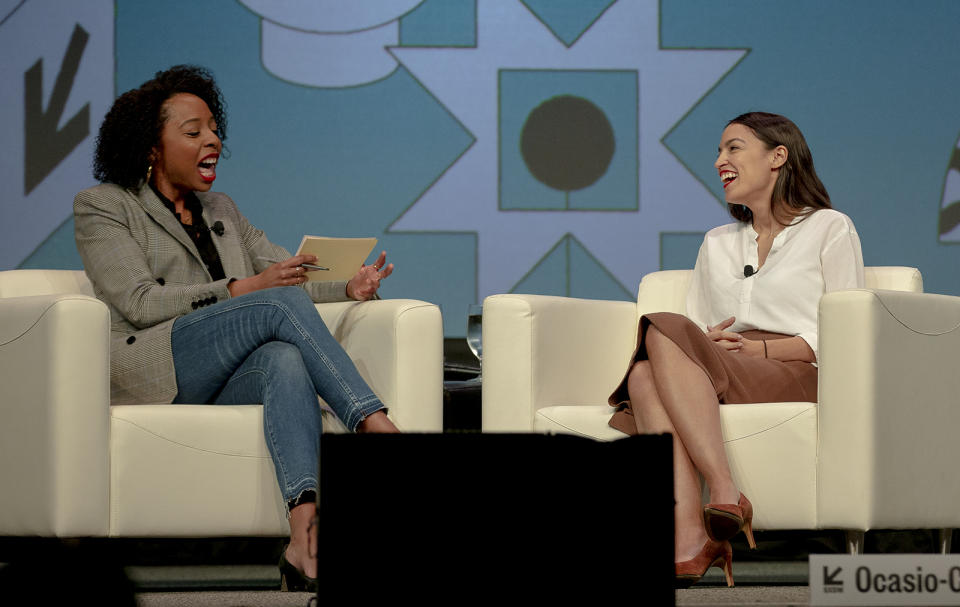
point(734, 342)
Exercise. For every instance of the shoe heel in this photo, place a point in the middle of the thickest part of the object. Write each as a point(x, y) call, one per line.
point(748, 531)
point(291, 582)
point(728, 568)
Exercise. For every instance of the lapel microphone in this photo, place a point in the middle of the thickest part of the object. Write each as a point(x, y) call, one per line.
point(748, 270)
point(217, 228)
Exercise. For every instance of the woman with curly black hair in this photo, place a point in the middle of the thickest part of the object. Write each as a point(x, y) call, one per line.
point(201, 310)
point(133, 126)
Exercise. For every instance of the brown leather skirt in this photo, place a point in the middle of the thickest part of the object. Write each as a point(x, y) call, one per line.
point(736, 378)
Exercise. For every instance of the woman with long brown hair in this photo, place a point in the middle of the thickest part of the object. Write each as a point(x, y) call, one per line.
point(750, 332)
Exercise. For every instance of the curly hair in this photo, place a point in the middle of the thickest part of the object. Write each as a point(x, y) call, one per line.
point(798, 187)
point(131, 129)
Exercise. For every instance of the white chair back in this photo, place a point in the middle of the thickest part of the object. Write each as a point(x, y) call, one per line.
point(893, 278)
point(23, 283)
point(666, 290)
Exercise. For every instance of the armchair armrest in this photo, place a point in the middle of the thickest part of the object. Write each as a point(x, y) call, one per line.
point(889, 410)
point(397, 345)
point(54, 416)
point(542, 351)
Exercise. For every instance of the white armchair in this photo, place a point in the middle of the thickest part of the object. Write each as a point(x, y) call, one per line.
point(73, 466)
point(877, 451)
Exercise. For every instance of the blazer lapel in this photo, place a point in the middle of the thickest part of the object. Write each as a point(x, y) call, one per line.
point(167, 220)
point(227, 243)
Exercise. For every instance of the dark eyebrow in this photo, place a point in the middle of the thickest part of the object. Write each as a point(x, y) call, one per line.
point(731, 140)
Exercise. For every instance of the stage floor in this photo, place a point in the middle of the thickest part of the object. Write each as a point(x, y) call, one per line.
point(758, 583)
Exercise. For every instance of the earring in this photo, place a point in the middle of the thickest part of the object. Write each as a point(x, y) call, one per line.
point(149, 172)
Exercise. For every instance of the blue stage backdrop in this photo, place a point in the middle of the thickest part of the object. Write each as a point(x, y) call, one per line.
point(421, 122)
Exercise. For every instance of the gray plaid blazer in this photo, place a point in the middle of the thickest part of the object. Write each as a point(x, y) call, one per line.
point(146, 269)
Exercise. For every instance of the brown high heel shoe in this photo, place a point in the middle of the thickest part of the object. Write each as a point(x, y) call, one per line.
point(713, 554)
point(723, 521)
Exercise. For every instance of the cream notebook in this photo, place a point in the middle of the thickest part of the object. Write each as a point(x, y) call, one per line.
point(343, 256)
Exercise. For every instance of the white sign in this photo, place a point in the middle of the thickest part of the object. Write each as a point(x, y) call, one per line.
point(885, 579)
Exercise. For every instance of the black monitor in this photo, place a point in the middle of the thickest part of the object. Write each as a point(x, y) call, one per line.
point(459, 516)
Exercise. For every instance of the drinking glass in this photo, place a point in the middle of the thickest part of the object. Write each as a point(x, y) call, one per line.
point(474, 330)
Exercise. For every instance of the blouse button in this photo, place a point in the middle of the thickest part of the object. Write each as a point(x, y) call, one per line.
point(131, 339)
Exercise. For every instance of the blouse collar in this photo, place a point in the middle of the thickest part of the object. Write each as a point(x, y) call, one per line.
point(752, 233)
point(190, 202)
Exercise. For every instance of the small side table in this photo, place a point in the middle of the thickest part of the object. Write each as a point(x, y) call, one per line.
point(461, 402)
point(462, 387)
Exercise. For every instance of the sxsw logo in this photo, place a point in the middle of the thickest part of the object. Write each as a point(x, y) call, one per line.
point(830, 581)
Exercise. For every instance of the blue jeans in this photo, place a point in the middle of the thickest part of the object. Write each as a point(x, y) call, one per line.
point(272, 347)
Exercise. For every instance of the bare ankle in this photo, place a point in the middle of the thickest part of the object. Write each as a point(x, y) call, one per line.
point(689, 542)
point(727, 494)
point(377, 422)
point(302, 550)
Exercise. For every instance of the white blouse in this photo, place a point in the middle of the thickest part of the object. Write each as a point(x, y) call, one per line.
point(810, 257)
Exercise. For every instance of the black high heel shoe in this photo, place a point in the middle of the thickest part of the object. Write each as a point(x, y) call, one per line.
point(292, 579)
